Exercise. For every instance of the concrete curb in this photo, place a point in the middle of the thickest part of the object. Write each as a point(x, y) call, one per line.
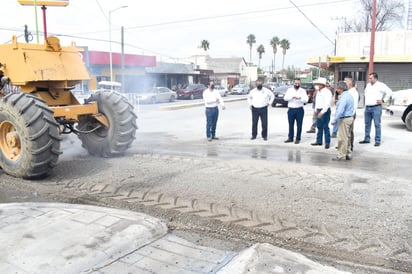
point(266, 258)
point(68, 238)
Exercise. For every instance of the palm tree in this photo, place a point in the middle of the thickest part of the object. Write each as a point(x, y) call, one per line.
point(251, 39)
point(204, 44)
point(274, 43)
point(260, 50)
point(285, 45)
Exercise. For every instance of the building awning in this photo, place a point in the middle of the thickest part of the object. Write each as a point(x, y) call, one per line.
point(326, 61)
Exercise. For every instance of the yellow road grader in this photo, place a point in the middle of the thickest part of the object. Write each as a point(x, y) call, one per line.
point(41, 107)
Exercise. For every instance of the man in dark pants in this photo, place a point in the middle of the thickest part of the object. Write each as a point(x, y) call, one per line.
point(296, 98)
point(259, 99)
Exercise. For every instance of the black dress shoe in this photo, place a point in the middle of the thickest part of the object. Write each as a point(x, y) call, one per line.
point(252, 138)
point(265, 138)
point(348, 158)
point(327, 146)
point(297, 141)
point(215, 138)
point(316, 144)
point(364, 142)
point(377, 144)
point(288, 141)
point(311, 131)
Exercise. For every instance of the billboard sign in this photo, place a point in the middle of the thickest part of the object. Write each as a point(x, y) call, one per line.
point(61, 3)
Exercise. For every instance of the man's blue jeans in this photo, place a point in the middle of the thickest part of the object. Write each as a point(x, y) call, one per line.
point(323, 127)
point(211, 120)
point(373, 113)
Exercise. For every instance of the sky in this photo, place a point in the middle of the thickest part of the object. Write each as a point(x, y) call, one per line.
point(172, 30)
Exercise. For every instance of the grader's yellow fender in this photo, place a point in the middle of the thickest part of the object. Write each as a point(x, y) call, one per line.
point(48, 71)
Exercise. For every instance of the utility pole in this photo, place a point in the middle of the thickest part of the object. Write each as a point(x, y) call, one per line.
point(122, 42)
point(372, 44)
point(409, 19)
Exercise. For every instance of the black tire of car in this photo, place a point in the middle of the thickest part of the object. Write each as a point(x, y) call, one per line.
point(192, 96)
point(117, 138)
point(35, 133)
point(172, 99)
point(408, 121)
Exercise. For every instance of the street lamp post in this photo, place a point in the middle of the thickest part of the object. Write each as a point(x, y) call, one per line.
point(110, 39)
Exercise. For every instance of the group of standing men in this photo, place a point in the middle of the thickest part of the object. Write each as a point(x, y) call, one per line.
point(260, 98)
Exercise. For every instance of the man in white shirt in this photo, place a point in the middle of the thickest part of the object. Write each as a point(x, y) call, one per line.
point(375, 93)
point(211, 99)
point(259, 99)
point(296, 98)
point(323, 103)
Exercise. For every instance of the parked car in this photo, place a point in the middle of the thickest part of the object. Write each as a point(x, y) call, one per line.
point(192, 91)
point(157, 95)
point(400, 105)
point(279, 95)
point(269, 87)
point(240, 89)
point(222, 90)
point(310, 89)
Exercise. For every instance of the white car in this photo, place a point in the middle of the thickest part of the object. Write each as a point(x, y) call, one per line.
point(401, 106)
point(240, 89)
point(222, 90)
point(157, 95)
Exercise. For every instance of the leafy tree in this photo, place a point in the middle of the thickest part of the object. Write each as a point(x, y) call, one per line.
point(251, 39)
point(285, 45)
point(260, 50)
point(291, 72)
point(388, 13)
point(274, 43)
point(204, 44)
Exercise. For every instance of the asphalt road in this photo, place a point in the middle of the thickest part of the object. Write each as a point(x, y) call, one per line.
point(350, 213)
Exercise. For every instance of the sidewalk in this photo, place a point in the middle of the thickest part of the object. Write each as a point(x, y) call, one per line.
point(67, 238)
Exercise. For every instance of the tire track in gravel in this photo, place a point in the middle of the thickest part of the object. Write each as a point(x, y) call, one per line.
point(144, 180)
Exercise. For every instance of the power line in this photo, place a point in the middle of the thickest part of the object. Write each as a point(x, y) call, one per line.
point(233, 15)
point(101, 9)
point(312, 23)
point(189, 20)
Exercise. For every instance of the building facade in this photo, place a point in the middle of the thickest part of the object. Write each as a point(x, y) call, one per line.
point(128, 69)
point(392, 58)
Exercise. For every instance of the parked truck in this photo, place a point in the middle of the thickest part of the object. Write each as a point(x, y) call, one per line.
point(41, 107)
point(400, 105)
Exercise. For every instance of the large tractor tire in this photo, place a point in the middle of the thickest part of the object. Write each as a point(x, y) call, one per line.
point(29, 136)
point(113, 140)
